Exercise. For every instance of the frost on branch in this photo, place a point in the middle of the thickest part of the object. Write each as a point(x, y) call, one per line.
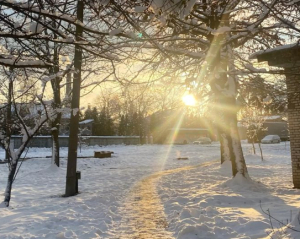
point(115, 31)
point(251, 68)
point(167, 7)
point(36, 27)
point(140, 9)
point(220, 31)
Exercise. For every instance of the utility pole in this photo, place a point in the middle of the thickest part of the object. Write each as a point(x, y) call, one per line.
point(71, 180)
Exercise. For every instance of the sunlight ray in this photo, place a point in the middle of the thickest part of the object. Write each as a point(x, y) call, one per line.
point(179, 116)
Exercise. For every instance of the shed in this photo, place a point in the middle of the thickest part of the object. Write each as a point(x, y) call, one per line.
point(86, 127)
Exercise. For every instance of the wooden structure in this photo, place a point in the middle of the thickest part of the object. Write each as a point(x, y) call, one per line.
point(288, 57)
point(183, 158)
point(102, 154)
point(86, 127)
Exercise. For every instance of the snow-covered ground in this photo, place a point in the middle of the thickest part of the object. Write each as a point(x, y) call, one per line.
point(145, 192)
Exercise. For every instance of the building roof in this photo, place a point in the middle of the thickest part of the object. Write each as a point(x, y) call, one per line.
point(272, 117)
point(282, 56)
point(86, 121)
point(266, 119)
point(189, 129)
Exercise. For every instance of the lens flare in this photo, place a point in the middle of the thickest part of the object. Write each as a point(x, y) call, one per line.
point(189, 100)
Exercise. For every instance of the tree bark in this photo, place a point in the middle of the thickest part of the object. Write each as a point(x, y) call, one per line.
point(55, 124)
point(13, 167)
point(13, 162)
point(253, 148)
point(231, 148)
point(225, 155)
point(11, 174)
point(234, 143)
point(238, 160)
point(71, 180)
point(8, 114)
point(261, 153)
point(55, 143)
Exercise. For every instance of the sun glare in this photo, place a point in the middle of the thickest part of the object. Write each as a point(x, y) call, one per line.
point(189, 100)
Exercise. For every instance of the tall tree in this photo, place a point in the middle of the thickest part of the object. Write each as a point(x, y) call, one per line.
point(88, 113)
point(26, 124)
point(71, 181)
point(209, 40)
point(122, 126)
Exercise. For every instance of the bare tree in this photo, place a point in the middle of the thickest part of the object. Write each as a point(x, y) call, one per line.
point(19, 119)
point(210, 41)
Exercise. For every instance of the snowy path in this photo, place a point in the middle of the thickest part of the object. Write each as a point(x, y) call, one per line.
point(143, 212)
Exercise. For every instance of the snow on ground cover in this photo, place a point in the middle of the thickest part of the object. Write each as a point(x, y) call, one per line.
point(38, 211)
point(144, 186)
point(207, 203)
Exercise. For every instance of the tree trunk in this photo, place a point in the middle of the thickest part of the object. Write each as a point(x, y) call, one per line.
point(71, 180)
point(11, 174)
point(55, 147)
point(55, 83)
point(253, 147)
point(8, 113)
point(225, 154)
point(238, 160)
point(234, 142)
point(13, 167)
point(230, 144)
point(261, 153)
point(13, 162)
point(55, 124)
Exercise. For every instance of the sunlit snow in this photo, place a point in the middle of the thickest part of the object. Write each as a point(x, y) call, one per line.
point(145, 192)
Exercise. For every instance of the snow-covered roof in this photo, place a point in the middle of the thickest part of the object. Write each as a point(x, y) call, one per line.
point(287, 56)
point(190, 129)
point(279, 48)
point(272, 117)
point(86, 121)
point(266, 118)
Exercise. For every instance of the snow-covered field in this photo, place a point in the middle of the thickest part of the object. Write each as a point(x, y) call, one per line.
point(144, 192)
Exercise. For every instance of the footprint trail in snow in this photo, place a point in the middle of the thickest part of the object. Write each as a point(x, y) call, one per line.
point(143, 214)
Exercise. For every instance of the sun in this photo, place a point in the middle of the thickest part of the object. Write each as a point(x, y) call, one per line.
point(189, 100)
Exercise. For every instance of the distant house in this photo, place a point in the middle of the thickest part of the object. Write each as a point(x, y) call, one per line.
point(37, 108)
point(28, 108)
point(86, 127)
point(185, 135)
point(271, 125)
point(276, 124)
